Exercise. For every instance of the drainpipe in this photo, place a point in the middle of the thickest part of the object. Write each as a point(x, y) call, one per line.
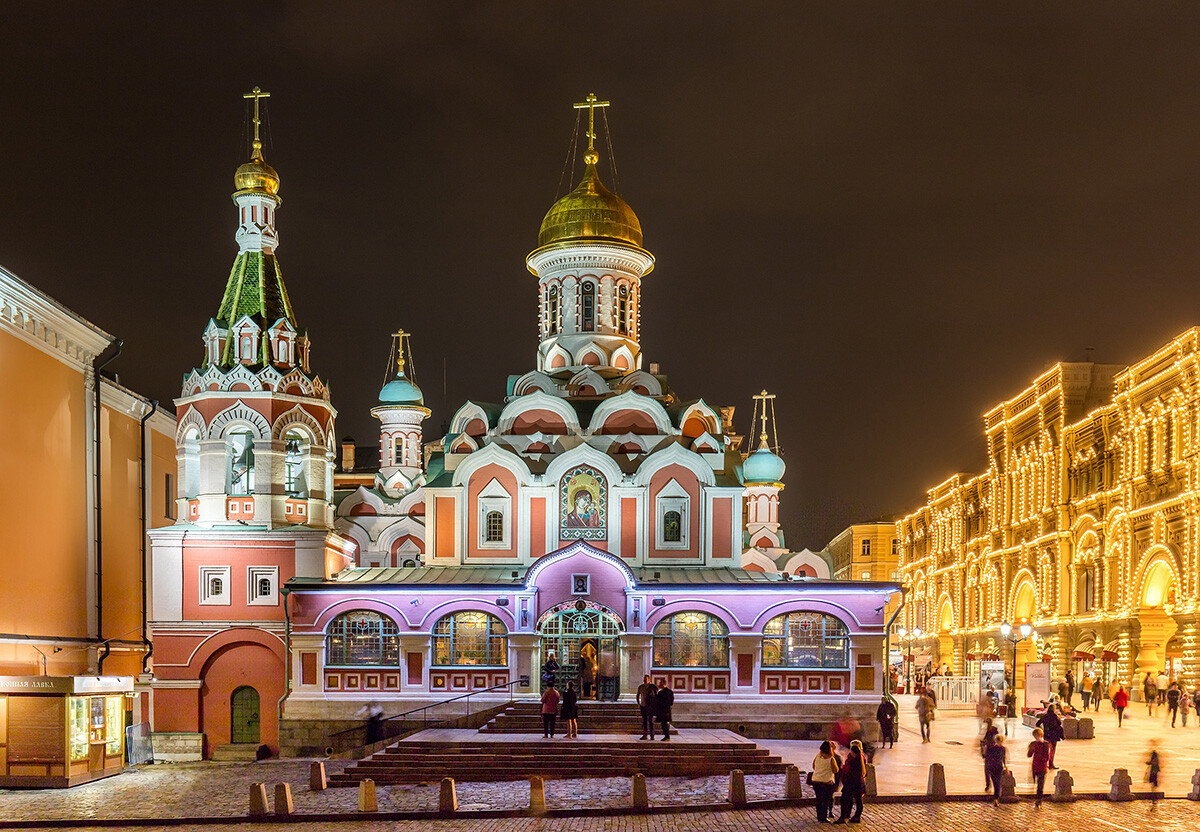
point(149, 645)
point(887, 649)
point(287, 655)
point(107, 356)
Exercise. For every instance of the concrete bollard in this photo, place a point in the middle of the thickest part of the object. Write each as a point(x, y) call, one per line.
point(258, 800)
point(283, 799)
point(872, 785)
point(447, 797)
point(537, 796)
point(367, 802)
point(1062, 787)
point(1122, 785)
point(1194, 794)
point(937, 781)
point(737, 787)
point(792, 788)
point(1008, 787)
point(641, 798)
point(317, 781)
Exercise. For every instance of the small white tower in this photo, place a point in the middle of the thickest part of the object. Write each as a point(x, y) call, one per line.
point(400, 411)
point(762, 473)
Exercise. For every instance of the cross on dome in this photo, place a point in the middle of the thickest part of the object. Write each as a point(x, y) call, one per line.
point(257, 94)
point(591, 103)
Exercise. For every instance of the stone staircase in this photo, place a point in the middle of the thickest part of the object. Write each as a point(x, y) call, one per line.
point(594, 718)
point(416, 761)
point(241, 752)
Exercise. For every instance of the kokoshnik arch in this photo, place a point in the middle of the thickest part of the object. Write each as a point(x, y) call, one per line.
point(592, 511)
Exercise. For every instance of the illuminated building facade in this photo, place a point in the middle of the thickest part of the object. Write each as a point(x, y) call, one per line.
point(1085, 524)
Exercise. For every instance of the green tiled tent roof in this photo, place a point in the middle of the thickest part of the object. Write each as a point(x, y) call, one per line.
point(255, 288)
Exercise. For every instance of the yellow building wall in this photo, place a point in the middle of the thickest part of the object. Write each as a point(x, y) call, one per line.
point(43, 506)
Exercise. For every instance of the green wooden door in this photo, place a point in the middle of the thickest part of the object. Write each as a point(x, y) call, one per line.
point(243, 724)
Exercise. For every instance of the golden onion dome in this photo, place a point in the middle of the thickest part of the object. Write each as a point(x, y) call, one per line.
point(590, 212)
point(257, 175)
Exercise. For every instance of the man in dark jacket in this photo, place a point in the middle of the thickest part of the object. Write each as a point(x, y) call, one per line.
point(885, 715)
point(1173, 697)
point(1052, 730)
point(664, 698)
point(645, 699)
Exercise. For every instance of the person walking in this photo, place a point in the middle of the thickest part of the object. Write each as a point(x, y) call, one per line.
point(550, 700)
point(1185, 704)
point(1085, 688)
point(1161, 683)
point(995, 760)
point(1173, 697)
point(825, 768)
point(664, 698)
point(570, 710)
point(1120, 701)
point(1196, 703)
point(1052, 731)
point(1010, 710)
point(1039, 750)
point(1150, 691)
point(1153, 770)
point(645, 700)
point(924, 714)
point(854, 784)
point(885, 715)
point(1070, 687)
point(984, 744)
point(550, 670)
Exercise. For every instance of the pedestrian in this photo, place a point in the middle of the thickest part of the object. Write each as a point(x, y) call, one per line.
point(994, 763)
point(664, 698)
point(885, 715)
point(570, 710)
point(549, 670)
point(1052, 731)
point(1173, 697)
point(1039, 750)
point(1196, 703)
point(1161, 683)
point(1097, 692)
point(1010, 710)
point(645, 700)
point(1120, 701)
point(825, 768)
point(1070, 687)
point(985, 711)
point(374, 716)
point(1153, 769)
point(550, 700)
point(854, 784)
point(1063, 689)
point(924, 714)
point(1150, 691)
point(1185, 705)
point(1085, 688)
point(988, 735)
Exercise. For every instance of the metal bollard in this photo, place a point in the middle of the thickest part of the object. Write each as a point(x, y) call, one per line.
point(283, 799)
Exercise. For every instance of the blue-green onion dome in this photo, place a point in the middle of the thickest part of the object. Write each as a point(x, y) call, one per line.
point(401, 391)
point(763, 468)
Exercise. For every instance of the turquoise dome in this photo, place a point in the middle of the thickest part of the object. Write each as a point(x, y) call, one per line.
point(401, 391)
point(762, 467)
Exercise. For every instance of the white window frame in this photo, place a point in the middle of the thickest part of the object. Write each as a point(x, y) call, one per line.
point(254, 574)
point(208, 599)
point(672, 497)
point(493, 497)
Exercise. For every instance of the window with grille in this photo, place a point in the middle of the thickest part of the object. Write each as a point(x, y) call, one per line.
point(472, 639)
point(214, 585)
point(362, 638)
point(552, 312)
point(589, 307)
point(241, 463)
point(494, 523)
point(295, 449)
point(866, 548)
point(623, 310)
point(691, 639)
point(672, 527)
point(805, 639)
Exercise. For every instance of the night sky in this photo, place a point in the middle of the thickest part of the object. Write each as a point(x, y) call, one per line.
point(893, 215)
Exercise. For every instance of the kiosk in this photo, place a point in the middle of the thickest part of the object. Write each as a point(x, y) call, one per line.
point(59, 731)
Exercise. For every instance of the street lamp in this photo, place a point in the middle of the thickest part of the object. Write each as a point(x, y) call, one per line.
point(1026, 630)
point(907, 638)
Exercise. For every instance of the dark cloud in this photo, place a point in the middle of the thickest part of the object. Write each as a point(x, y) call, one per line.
point(893, 214)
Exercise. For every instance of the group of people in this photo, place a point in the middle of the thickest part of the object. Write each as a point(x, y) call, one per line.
point(829, 770)
point(654, 704)
point(1160, 691)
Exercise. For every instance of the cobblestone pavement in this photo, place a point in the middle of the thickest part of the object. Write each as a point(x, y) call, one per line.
point(1095, 816)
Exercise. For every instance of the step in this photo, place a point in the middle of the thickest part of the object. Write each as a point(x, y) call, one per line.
point(242, 752)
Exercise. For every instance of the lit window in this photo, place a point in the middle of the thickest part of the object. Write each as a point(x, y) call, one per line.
point(494, 527)
point(261, 582)
point(362, 638)
point(866, 548)
point(216, 586)
point(241, 463)
point(623, 310)
point(805, 639)
point(552, 312)
point(293, 464)
point(866, 576)
point(589, 307)
point(672, 527)
point(470, 639)
point(691, 639)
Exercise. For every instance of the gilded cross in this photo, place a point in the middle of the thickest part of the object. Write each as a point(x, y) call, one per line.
point(764, 397)
point(400, 335)
point(591, 103)
point(256, 94)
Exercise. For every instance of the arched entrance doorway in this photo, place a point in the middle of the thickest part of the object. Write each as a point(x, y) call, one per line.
point(1024, 606)
point(244, 716)
point(1156, 625)
point(945, 642)
point(583, 636)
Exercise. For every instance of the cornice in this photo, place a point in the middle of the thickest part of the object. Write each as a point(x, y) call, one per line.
point(632, 260)
point(46, 324)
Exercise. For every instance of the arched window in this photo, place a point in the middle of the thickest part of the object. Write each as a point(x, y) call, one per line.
point(1087, 589)
point(294, 476)
point(494, 523)
point(191, 464)
point(589, 307)
point(672, 527)
point(805, 639)
point(362, 638)
point(623, 310)
point(470, 639)
point(240, 450)
point(691, 639)
point(552, 311)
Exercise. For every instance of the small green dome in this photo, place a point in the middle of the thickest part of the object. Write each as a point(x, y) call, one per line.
point(763, 468)
point(401, 391)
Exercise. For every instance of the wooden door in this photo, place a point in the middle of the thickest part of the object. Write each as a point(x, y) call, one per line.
point(244, 716)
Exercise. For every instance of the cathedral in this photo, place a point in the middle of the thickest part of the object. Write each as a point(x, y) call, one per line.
point(591, 515)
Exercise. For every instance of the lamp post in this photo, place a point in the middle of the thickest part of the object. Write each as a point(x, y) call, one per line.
point(907, 638)
point(1026, 630)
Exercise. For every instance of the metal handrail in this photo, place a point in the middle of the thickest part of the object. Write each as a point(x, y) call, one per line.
point(424, 709)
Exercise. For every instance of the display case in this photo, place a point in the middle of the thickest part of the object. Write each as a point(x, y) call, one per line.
point(59, 731)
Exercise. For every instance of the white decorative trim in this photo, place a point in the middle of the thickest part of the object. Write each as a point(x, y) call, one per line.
point(255, 574)
point(630, 400)
point(236, 415)
point(207, 596)
point(493, 497)
point(44, 323)
point(538, 401)
point(672, 497)
point(674, 454)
